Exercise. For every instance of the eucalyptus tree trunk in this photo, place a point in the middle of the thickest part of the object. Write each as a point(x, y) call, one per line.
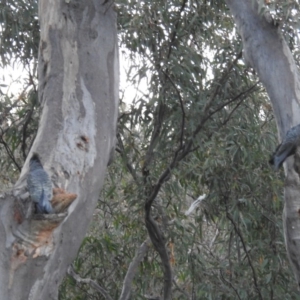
point(267, 52)
point(78, 92)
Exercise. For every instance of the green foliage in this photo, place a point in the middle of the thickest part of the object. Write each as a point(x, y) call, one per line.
point(194, 112)
point(199, 96)
point(19, 123)
point(19, 31)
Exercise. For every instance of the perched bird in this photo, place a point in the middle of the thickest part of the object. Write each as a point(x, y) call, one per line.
point(286, 148)
point(39, 186)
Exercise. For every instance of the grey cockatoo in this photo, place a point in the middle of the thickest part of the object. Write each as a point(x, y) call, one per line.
point(287, 147)
point(39, 186)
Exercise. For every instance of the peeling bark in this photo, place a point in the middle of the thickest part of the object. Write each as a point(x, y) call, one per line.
point(268, 54)
point(78, 92)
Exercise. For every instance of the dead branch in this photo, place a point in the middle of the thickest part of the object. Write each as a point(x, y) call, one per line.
point(88, 281)
point(140, 254)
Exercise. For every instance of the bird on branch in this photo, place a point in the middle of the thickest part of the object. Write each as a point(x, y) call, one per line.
point(287, 148)
point(39, 186)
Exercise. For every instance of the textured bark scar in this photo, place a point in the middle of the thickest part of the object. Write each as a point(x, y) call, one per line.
point(37, 232)
point(18, 258)
point(34, 237)
point(84, 138)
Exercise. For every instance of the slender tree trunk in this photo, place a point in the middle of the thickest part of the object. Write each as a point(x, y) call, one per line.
point(78, 92)
point(267, 52)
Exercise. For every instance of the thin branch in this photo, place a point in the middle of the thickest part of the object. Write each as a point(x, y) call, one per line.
point(229, 284)
point(8, 109)
point(154, 231)
point(158, 241)
point(121, 150)
point(9, 152)
point(237, 230)
point(161, 107)
point(166, 174)
point(182, 109)
point(174, 32)
point(229, 255)
point(88, 281)
point(31, 74)
point(140, 254)
point(232, 111)
point(189, 144)
point(24, 131)
point(221, 106)
point(220, 83)
point(158, 118)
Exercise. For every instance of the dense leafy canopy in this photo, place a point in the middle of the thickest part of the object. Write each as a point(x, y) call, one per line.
point(193, 120)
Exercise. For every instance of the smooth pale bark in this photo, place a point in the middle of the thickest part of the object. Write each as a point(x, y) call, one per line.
point(78, 91)
point(267, 52)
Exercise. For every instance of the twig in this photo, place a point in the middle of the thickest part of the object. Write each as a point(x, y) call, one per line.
point(89, 281)
point(181, 290)
point(126, 290)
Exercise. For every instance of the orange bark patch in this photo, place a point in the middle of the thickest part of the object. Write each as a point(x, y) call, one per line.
point(61, 200)
point(18, 216)
point(172, 255)
point(58, 191)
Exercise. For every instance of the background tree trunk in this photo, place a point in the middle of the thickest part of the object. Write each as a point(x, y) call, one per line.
point(267, 52)
point(78, 91)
